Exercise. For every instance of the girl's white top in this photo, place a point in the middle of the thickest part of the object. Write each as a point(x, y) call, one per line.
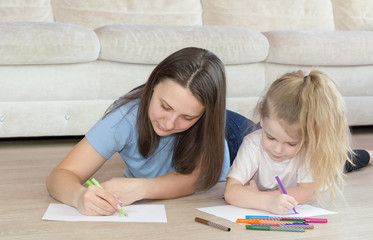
point(253, 163)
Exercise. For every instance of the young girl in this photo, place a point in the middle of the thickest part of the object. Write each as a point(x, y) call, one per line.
point(304, 140)
point(163, 130)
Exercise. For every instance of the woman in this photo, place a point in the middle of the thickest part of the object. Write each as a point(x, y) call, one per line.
point(169, 132)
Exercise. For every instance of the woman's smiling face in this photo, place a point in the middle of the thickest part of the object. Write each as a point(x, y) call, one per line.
point(173, 108)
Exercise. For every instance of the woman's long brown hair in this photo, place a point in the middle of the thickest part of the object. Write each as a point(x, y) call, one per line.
point(202, 72)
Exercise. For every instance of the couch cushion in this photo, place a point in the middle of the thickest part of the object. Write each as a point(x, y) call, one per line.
point(321, 48)
point(50, 118)
point(52, 82)
point(269, 15)
point(97, 13)
point(353, 14)
point(46, 43)
point(147, 44)
point(26, 10)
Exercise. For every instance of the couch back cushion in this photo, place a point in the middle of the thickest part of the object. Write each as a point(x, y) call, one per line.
point(26, 11)
point(26, 43)
point(97, 13)
point(266, 15)
point(353, 14)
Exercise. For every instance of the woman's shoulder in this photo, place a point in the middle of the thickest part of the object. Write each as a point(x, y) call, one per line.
point(126, 111)
point(131, 108)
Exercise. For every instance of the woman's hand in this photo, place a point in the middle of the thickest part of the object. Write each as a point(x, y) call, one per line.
point(128, 190)
point(95, 201)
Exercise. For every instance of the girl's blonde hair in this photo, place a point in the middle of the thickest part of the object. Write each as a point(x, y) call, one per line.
point(316, 104)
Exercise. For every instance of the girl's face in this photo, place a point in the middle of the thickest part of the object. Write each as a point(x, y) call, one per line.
point(277, 142)
point(173, 109)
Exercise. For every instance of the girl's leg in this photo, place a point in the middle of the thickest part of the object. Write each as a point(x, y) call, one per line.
point(236, 128)
point(361, 159)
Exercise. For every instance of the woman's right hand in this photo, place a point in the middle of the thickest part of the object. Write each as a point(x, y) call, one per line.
point(95, 201)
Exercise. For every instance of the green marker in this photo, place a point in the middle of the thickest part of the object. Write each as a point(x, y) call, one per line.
point(121, 210)
point(293, 220)
point(95, 182)
point(89, 182)
point(270, 228)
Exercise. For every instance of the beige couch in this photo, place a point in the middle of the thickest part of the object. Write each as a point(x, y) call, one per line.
point(63, 62)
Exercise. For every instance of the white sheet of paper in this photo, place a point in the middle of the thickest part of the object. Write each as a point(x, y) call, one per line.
point(231, 213)
point(135, 213)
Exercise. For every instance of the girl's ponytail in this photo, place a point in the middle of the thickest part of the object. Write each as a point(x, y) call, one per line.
point(325, 131)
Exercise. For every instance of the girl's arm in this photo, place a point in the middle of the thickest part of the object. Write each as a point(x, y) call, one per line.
point(64, 183)
point(250, 197)
point(302, 192)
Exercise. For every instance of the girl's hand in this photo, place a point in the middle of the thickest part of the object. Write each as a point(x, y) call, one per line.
point(95, 201)
point(128, 190)
point(281, 204)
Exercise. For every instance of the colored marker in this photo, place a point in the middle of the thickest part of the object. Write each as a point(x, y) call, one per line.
point(95, 182)
point(283, 220)
point(293, 219)
point(285, 217)
point(89, 182)
point(215, 225)
point(270, 228)
point(257, 216)
point(289, 225)
point(298, 220)
point(257, 221)
point(296, 225)
point(283, 189)
point(315, 220)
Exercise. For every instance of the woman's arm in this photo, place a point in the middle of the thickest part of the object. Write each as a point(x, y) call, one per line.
point(250, 197)
point(170, 185)
point(64, 183)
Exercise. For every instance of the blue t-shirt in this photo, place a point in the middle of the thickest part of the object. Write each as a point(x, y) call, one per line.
point(117, 132)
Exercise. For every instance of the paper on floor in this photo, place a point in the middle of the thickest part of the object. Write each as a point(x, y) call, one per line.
point(135, 213)
point(231, 213)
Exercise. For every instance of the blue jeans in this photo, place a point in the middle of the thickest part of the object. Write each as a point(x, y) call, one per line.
point(236, 128)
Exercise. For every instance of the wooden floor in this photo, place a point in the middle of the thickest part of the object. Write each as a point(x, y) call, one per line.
point(25, 164)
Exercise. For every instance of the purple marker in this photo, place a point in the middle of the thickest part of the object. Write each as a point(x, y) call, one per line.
point(283, 190)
